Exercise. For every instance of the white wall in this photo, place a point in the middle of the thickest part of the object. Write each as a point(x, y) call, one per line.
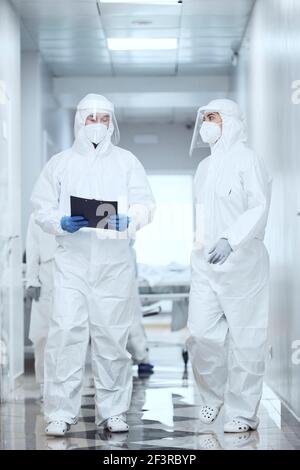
point(11, 296)
point(46, 127)
point(170, 153)
point(130, 93)
point(268, 65)
point(31, 130)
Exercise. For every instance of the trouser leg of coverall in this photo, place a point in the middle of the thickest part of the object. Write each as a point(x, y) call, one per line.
point(111, 315)
point(207, 344)
point(137, 341)
point(41, 312)
point(112, 371)
point(39, 358)
point(65, 355)
point(248, 321)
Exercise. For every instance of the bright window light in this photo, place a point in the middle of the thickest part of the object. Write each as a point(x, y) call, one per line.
point(130, 44)
point(169, 238)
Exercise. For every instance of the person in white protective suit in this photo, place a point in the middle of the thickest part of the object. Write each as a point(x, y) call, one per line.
point(40, 249)
point(228, 310)
point(137, 344)
point(94, 275)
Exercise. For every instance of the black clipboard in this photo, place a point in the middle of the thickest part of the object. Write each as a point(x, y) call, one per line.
point(93, 210)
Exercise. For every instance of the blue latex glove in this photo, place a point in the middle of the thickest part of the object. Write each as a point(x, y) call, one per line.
point(118, 222)
point(219, 252)
point(72, 224)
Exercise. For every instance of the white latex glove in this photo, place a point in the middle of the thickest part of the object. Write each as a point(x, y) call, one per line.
point(219, 253)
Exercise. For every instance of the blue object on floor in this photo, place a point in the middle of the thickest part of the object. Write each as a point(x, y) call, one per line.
point(145, 368)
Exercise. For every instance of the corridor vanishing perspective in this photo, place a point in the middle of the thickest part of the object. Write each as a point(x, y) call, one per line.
point(149, 226)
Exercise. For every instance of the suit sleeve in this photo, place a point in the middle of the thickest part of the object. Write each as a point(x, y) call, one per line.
point(252, 223)
point(141, 200)
point(45, 200)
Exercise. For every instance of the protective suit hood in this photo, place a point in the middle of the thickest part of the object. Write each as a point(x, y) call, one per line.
point(233, 125)
point(90, 105)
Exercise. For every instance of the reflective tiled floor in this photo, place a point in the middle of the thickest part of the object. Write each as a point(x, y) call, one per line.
point(163, 415)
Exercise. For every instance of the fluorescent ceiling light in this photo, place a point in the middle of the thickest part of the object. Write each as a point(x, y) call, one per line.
point(131, 44)
point(144, 2)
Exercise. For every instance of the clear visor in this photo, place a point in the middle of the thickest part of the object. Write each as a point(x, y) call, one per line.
point(103, 116)
point(93, 114)
point(196, 139)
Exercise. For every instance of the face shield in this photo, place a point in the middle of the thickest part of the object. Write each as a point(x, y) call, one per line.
point(233, 122)
point(93, 105)
point(196, 139)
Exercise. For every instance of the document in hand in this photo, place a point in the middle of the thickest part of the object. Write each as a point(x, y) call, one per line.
point(96, 212)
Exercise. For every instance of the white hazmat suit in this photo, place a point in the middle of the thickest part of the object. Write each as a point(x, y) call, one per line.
point(137, 340)
point(94, 278)
point(137, 344)
point(40, 250)
point(228, 311)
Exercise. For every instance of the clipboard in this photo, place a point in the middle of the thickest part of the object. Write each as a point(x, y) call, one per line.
point(93, 210)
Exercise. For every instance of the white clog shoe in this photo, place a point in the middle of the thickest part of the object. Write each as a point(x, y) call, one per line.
point(208, 414)
point(57, 428)
point(117, 424)
point(236, 425)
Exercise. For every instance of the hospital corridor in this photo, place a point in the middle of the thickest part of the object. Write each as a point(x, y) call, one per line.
point(149, 228)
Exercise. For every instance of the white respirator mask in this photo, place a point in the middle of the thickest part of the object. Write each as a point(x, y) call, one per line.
point(210, 132)
point(96, 133)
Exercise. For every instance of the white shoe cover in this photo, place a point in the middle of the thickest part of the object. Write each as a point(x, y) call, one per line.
point(117, 424)
point(235, 425)
point(57, 428)
point(208, 414)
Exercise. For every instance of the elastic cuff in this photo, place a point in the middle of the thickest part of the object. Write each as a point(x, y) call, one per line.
point(233, 246)
point(58, 229)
